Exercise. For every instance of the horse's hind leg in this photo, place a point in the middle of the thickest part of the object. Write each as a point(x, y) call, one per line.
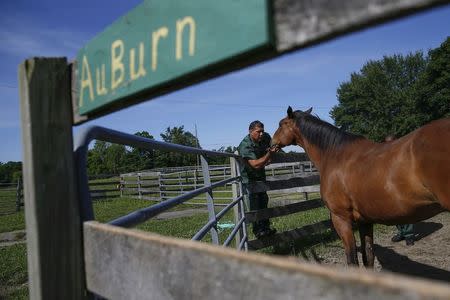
point(366, 236)
point(345, 232)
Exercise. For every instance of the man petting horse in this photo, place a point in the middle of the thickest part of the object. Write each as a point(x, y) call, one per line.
point(256, 151)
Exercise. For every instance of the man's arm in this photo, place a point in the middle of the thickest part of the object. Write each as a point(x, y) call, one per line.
point(264, 160)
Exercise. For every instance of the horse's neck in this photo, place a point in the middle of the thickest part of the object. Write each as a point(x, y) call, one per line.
point(320, 157)
point(315, 154)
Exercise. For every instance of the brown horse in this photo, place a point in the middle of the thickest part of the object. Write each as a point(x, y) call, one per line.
point(363, 182)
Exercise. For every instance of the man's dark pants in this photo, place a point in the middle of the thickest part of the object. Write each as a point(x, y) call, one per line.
point(257, 201)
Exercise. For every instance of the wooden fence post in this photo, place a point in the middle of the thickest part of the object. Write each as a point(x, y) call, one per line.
point(121, 185)
point(195, 178)
point(160, 183)
point(54, 233)
point(18, 195)
point(139, 185)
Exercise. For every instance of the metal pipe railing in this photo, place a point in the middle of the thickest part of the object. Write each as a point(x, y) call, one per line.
point(233, 233)
point(243, 243)
point(204, 230)
point(109, 135)
point(142, 215)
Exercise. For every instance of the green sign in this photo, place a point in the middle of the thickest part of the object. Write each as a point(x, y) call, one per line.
point(162, 42)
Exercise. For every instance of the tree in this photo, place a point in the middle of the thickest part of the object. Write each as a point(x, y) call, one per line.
point(177, 135)
point(10, 171)
point(140, 159)
point(219, 160)
point(434, 96)
point(375, 101)
point(96, 160)
point(115, 159)
point(395, 95)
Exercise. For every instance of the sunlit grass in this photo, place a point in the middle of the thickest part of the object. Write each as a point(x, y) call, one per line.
point(12, 222)
point(13, 272)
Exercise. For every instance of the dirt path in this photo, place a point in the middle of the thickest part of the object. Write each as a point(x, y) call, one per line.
point(11, 238)
point(180, 213)
point(428, 258)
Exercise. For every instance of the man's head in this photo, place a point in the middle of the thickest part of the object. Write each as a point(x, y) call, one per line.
point(256, 130)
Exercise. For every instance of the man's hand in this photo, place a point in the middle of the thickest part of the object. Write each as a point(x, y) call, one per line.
point(273, 149)
point(265, 160)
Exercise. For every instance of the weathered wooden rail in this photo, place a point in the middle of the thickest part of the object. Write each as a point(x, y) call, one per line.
point(289, 184)
point(162, 185)
point(104, 190)
point(130, 264)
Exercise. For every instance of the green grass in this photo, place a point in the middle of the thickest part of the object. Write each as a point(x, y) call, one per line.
point(12, 222)
point(7, 200)
point(184, 227)
point(13, 272)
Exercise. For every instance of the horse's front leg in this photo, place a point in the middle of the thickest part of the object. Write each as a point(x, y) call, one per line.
point(366, 236)
point(344, 229)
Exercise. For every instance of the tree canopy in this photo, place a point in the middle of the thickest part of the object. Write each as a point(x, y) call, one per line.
point(107, 158)
point(177, 135)
point(396, 94)
point(10, 172)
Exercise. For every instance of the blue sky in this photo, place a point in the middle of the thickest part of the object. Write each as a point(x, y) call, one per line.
point(222, 107)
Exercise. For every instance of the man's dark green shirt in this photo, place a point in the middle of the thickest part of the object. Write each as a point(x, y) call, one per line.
point(251, 150)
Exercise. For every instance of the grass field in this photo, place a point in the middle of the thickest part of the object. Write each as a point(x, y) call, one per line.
point(8, 195)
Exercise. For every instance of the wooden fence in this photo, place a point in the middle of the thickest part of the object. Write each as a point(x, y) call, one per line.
point(162, 185)
point(105, 189)
point(11, 194)
point(168, 183)
point(287, 184)
point(11, 197)
point(283, 178)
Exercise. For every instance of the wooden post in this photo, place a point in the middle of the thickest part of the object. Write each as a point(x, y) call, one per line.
point(54, 233)
point(160, 183)
point(305, 194)
point(121, 185)
point(139, 185)
point(18, 195)
point(180, 183)
point(195, 178)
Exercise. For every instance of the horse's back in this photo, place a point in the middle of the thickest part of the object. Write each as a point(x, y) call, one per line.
point(431, 150)
point(406, 180)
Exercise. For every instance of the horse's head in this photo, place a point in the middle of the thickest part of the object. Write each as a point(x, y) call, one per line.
point(288, 132)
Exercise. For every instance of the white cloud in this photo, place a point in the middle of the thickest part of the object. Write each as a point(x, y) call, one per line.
point(22, 39)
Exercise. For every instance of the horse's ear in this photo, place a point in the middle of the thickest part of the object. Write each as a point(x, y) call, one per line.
point(290, 113)
point(309, 110)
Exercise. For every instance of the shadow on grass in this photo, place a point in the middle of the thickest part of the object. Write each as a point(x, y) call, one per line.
point(303, 247)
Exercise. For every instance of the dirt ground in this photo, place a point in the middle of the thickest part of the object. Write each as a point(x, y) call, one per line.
point(428, 258)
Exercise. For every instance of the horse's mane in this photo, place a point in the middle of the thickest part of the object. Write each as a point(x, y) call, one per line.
point(323, 134)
